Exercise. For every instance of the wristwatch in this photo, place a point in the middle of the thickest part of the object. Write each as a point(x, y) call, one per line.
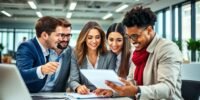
point(138, 94)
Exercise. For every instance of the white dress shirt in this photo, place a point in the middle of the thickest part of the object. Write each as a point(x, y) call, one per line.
point(45, 53)
point(90, 66)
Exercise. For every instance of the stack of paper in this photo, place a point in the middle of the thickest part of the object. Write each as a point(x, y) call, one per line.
point(80, 96)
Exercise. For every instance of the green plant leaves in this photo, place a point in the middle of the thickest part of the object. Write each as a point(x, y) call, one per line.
point(193, 44)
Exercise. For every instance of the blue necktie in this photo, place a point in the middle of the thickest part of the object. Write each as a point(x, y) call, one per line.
point(47, 58)
point(54, 74)
point(57, 59)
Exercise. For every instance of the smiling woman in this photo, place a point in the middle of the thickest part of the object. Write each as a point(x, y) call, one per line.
point(90, 53)
point(119, 45)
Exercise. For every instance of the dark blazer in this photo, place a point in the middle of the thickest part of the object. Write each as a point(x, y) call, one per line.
point(29, 56)
point(62, 80)
point(106, 61)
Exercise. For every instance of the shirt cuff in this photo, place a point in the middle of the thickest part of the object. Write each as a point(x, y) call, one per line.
point(39, 72)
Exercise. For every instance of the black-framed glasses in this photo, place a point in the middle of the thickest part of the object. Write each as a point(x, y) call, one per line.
point(63, 35)
point(136, 35)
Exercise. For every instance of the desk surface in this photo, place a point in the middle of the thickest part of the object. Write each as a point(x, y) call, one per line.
point(63, 96)
point(190, 71)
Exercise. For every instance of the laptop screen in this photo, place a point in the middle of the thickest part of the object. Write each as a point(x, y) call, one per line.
point(12, 86)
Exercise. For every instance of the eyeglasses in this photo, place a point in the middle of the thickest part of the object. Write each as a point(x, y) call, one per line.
point(63, 35)
point(135, 36)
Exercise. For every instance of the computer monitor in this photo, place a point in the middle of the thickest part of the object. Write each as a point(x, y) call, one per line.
point(12, 86)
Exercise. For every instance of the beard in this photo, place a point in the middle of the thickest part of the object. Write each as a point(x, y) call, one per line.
point(60, 46)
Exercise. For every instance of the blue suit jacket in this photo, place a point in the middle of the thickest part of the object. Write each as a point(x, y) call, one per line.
point(29, 57)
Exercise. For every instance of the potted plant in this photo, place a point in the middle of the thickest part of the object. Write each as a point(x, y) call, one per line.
point(192, 46)
point(1, 49)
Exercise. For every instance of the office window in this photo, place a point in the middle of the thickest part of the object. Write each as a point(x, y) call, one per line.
point(11, 39)
point(4, 41)
point(176, 23)
point(168, 25)
point(186, 22)
point(160, 24)
point(73, 39)
point(20, 33)
point(1, 34)
point(198, 20)
point(33, 33)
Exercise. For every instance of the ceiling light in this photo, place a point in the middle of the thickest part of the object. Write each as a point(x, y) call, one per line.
point(72, 6)
point(39, 14)
point(121, 8)
point(6, 13)
point(32, 4)
point(107, 16)
point(69, 15)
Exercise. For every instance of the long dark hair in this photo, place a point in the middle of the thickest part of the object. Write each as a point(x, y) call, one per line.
point(125, 52)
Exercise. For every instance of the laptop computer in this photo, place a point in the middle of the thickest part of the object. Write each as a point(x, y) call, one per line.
point(12, 86)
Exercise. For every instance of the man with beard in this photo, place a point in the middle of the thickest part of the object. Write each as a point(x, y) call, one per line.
point(32, 55)
point(57, 82)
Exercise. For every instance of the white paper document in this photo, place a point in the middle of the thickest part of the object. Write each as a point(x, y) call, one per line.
point(98, 77)
point(82, 96)
point(92, 96)
point(47, 96)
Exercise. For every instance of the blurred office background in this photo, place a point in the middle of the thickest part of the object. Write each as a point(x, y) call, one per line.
point(177, 20)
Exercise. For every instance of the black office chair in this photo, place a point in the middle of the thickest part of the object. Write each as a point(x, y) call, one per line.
point(190, 90)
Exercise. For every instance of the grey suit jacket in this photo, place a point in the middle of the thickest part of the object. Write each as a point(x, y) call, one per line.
point(162, 72)
point(62, 79)
point(106, 61)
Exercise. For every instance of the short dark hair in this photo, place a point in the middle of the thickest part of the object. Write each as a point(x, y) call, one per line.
point(65, 22)
point(140, 17)
point(46, 24)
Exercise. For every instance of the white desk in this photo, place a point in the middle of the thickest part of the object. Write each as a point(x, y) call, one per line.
point(191, 71)
point(63, 96)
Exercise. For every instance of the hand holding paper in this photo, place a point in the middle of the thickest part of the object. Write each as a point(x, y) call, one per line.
point(126, 90)
point(98, 77)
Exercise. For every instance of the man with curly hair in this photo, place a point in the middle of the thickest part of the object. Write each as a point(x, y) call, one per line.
point(156, 72)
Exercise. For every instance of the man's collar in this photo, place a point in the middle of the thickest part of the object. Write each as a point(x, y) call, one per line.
point(45, 51)
point(153, 44)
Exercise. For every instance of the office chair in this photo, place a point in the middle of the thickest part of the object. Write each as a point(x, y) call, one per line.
point(190, 89)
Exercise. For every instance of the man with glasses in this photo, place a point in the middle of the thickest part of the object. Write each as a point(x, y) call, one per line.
point(157, 61)
point(57, 82)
